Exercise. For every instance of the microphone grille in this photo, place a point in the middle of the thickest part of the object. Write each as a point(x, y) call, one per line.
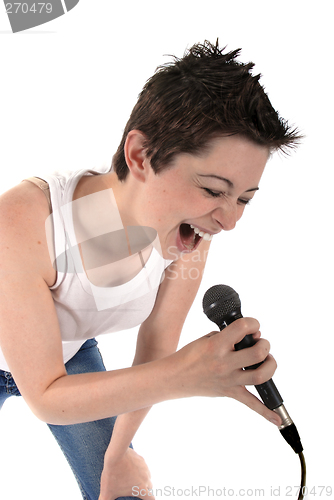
point(220, 301)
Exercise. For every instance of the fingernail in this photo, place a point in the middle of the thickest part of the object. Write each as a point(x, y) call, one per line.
point(275, 422)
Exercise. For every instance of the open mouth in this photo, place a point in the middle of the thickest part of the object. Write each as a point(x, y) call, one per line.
point(189, 239)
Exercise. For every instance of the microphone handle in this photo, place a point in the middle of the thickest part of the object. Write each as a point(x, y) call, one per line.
point(272, 398)
point(267, 391)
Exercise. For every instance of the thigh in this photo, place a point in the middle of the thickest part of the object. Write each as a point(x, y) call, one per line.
point(84, 445)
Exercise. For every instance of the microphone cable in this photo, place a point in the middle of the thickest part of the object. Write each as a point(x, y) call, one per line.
point(222, 305)
point(303, 476)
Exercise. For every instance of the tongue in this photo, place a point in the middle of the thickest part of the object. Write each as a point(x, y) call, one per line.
point(187, 236)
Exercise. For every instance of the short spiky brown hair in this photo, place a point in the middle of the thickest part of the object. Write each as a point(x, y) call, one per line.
point(205, 94)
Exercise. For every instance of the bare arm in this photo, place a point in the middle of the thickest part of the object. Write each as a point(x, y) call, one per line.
point(159, 335)
point(31, 341)
point(30, 336)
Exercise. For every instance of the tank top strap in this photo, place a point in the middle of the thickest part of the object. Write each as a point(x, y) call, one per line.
point(43, 185)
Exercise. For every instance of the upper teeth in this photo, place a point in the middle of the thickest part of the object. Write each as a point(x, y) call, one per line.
point(202, 234)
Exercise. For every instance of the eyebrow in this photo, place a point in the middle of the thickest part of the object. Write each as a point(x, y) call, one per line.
point(230, 183)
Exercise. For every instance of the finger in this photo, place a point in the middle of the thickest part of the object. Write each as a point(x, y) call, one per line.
point(263, 373)
point(146, 493)
point(252, 355)
point(244, 396)
point(211, 333)
point(237, 330)
point(257, 335)
point(149, 484)
point(257, 376)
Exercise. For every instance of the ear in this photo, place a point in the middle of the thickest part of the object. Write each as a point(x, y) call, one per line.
point(135, 155)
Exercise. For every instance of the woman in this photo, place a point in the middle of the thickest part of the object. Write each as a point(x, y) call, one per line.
point(102, 252)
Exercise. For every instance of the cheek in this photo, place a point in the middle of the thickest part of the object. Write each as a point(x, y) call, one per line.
point(180, 202)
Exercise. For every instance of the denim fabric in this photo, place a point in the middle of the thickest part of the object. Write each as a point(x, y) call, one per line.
point(83, 445)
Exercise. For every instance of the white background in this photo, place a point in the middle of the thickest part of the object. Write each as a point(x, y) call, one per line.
point(67, 89)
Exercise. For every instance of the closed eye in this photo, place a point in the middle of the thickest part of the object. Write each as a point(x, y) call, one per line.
point(214, 194)
point(244, 202)
point(220, 194)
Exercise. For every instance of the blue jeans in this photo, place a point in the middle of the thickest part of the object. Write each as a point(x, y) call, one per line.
point(83, 445)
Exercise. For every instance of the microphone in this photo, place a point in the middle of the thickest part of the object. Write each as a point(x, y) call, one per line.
point(222, 305)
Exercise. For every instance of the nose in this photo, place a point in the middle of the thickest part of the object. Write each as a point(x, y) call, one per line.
point(227, 217)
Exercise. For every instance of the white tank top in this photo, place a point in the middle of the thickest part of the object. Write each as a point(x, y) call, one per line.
point(85, 310)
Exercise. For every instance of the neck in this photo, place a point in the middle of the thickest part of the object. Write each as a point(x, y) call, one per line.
point(127, 194)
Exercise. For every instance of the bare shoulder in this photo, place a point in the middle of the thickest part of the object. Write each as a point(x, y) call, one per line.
point(23, 244)
point(30, 336)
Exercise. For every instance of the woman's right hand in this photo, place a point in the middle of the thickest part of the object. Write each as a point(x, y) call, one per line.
point(212, 367)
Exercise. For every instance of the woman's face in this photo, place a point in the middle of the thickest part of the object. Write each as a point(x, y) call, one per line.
point(199, 196)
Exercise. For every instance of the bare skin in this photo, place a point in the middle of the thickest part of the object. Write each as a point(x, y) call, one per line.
point(209, 366)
